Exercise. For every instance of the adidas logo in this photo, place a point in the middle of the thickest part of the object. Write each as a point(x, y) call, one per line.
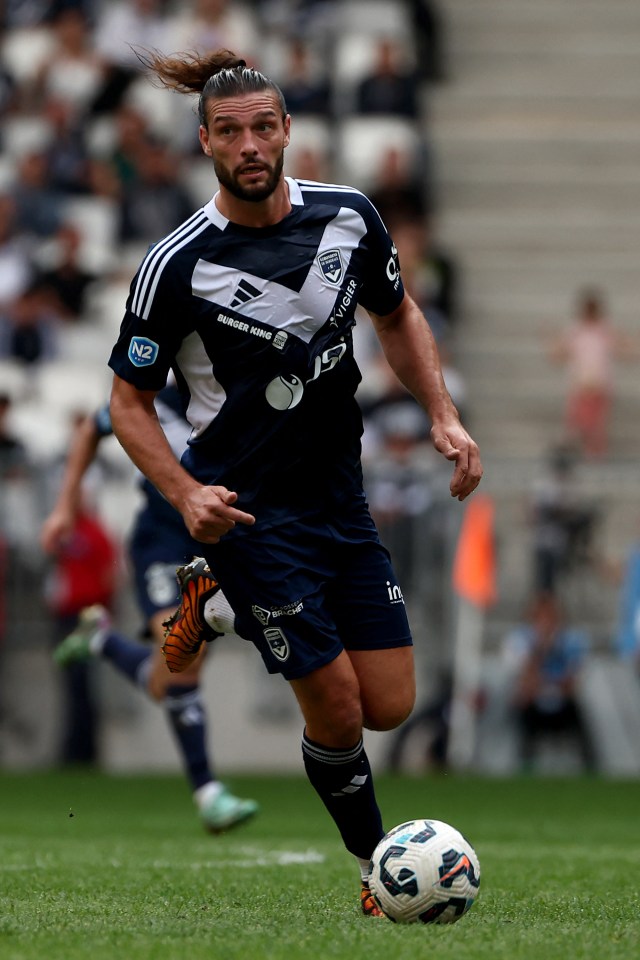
point(352, 787)
point(245, 291)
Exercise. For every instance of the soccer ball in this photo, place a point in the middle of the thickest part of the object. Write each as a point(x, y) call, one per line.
point(424, 871)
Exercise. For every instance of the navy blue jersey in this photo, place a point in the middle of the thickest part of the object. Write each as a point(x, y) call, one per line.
point(256, 324)
point(170, 408)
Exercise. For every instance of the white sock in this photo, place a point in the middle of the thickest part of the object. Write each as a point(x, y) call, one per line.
point(218, 613)
point(97, 641)
point(207, 793)
point(364, 868)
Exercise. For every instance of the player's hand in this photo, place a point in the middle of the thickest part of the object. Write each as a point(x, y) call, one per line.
point(454, 443)
point(209, 513)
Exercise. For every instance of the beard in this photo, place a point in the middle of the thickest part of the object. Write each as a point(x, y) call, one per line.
point(254, 193)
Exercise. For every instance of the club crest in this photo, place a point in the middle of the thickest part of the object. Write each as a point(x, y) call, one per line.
point(278, 643)
point(331, 265)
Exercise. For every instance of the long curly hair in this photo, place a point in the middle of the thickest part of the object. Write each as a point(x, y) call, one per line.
point(213, 75)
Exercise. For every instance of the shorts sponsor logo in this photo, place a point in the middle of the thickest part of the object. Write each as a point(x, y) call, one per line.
point(261, 614)
point(331, 265)
point(143, 352)
point(279, 339)
point(289, 610)
point(395, 593)
point(278, 643)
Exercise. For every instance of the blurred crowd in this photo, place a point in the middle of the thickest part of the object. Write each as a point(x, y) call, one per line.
point(96, 163)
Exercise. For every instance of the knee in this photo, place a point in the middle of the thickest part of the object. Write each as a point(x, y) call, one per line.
point(387, 715)
point(338, 724)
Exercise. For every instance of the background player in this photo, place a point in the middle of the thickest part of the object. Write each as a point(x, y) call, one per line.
point(159, 543)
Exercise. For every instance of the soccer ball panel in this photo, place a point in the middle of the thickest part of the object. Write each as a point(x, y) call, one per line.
point(424, 871)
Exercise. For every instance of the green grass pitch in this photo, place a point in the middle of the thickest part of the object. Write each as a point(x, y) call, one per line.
point(94, 867)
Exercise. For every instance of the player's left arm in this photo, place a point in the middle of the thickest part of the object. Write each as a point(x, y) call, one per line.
point(412, 353)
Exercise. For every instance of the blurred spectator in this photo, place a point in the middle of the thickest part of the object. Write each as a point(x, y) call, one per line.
point(28, 331)
point(562, 521)
point(392, 86)
point(132, 135)
point(84, 573)
point(588, 349)
point(203, 25)
point(15, 14)
point(13, 453)
point(38, 204)
point(23, 13)
point(305, 84)
point(545, 656)
point(401, 191)
point(408, 236)
point(156, 202)
point(8, 98)
point(440, 273)
point(16, 268)
point(429, 39)
point(65, 282)
point(394, 422)
point(123, 28)
point(311, 20)
point(67, 158)
point(309, 164)
point(75, 71)
point(627, 636)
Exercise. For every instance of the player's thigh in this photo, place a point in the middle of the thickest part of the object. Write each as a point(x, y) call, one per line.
point(387, 685)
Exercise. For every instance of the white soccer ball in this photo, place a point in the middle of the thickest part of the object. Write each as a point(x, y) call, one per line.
point(424, 871)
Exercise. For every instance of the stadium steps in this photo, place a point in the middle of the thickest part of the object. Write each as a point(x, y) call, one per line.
point(536, 142)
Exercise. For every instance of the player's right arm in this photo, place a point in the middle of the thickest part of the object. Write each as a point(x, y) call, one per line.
point(208, 511)
point(59, 524)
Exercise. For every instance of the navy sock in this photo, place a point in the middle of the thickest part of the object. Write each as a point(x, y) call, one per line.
point(126, 655)
point(188, 721)
point(344, 782)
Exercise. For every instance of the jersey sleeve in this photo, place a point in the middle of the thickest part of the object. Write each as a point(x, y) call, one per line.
point(382, 290)
point(102, 421)
point(152, 329)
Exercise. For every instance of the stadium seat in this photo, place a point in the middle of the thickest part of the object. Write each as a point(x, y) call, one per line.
point(358, 146)
point(308, 133)
point(364, 18)
point(66, 385)
point(25, 134)
point(97, 220)
point(24, 50)
point(198, 177)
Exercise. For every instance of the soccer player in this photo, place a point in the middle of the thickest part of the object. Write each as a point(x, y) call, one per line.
point(252, 303)
point(160, 542)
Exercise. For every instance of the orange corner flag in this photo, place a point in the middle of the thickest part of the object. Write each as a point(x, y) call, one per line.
point(474, 565)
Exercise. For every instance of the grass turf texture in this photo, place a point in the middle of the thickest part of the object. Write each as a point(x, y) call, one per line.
point(99, 867)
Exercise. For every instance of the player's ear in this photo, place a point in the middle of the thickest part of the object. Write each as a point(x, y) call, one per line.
point(203, 133)
point(287, 130)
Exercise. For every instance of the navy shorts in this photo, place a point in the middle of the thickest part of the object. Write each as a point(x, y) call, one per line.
point(305, 590)
point(160, 543)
